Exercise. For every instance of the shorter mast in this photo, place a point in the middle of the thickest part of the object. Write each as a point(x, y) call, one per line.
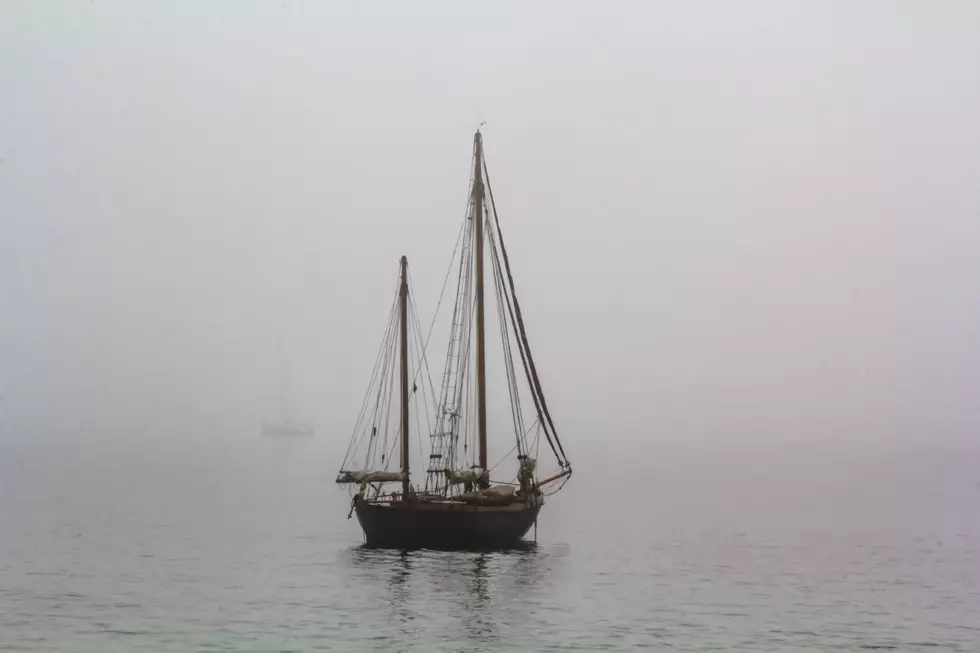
point(403, 323)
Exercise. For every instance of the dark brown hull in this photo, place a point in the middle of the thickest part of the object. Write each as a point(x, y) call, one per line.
point(445, 525)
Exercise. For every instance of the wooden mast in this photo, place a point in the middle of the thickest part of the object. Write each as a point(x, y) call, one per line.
point(481, 358)
point(403, 323)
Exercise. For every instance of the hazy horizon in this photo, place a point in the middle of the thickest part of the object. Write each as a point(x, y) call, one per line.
point(728, 225)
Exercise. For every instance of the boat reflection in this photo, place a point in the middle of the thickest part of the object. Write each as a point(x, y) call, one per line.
point(475, 594)
point(478, 615)
point(399, 589)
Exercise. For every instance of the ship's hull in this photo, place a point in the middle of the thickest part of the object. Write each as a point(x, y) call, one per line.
point(444, 525)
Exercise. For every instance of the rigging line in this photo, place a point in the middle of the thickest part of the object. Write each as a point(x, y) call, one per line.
point(513, 390)
point(535, 423)
point(458, 321)
point(377, 422)
point(522, 347)
point(456, 382)
point(417, 341)
point(465, 307)
point(466, 388)
point(367, 394)
point(472, 388)
point(382, 380)
point(424, 396)
point(498, 463)
point(443, 439)
point(520, 319)
point(521, 433)
point(528, 368)
point(418, 424)
point(365, 402)
point(460, 351)
point(391, 449)
point(392, 316)
point(387, 414)
point(428, 418)
point(384, 388)
point(445, 281)
point(459, 317)
point(502, 300)
point(463, 317)
point(520, 344)
point(357, 441)
point(558, 489)
point(419, 355)
point(449, 367)
point(537, 444)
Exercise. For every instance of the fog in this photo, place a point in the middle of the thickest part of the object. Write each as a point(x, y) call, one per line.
point(728, 222)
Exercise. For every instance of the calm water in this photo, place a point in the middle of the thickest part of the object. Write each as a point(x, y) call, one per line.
point(245, 547)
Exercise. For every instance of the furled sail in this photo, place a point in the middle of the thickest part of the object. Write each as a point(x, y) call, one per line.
point(455, 476)
point(498, 494)
point(369, 477)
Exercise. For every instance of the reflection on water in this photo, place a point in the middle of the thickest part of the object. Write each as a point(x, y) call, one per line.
point(480, 578)
point(398, 587)
point(477, 612)
point(477, 594)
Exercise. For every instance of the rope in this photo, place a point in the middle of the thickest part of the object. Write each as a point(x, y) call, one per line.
point(515, 447)
point(562, 459)
point(374, 373)
point(384, 395)
point(420, 347)
point(512, 386)
point(442, 292)
point(525, 354)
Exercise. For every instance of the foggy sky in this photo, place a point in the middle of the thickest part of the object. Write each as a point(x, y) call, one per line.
point(727, 221)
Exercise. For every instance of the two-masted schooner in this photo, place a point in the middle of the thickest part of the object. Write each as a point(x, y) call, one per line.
point(458, 506)
point(284, 423)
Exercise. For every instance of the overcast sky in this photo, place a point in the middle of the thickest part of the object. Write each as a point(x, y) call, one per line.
point(726, 220)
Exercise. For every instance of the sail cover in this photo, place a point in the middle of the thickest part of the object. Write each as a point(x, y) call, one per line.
point(495, 494)
point(369, 477)
point(474, 475)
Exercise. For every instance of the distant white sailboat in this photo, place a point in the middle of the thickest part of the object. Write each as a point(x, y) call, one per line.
point(283, 423)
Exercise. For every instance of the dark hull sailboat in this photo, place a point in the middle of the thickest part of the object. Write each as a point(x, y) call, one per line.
point(444, 525)
point(457, 507)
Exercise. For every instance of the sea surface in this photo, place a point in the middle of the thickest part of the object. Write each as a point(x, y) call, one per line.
point(243, 544)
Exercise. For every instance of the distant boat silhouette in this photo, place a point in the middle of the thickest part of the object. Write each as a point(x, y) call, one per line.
point(283, 423)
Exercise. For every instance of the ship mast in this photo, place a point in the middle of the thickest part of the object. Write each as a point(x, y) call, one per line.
point(283, 385)
point(481, 359)
point(403, 323)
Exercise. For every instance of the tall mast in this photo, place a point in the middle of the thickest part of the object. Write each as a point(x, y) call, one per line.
point(481, 358)
point(403, 323)
point(283, 384)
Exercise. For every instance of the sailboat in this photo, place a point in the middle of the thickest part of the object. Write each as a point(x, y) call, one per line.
point(283, 423)
point(454, 503)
